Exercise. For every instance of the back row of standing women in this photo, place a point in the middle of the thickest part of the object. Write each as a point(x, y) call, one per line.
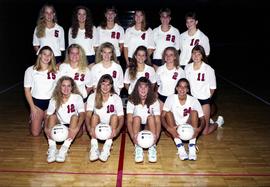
point(100, 48)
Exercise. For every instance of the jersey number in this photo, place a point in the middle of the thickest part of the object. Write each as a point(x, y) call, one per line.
point(186, 111)
point(200, 77)
point(77, 77)
point(194, 42)
point(170, 38)
point(51, 76)
point(115, 35)
point(71, 108)
point(110, 108)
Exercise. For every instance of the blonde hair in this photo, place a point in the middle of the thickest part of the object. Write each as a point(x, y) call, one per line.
point(52, 63)
point(82, 60)
point(176, 54)
point(41, 22)
point(57, 94)
point(100, 50)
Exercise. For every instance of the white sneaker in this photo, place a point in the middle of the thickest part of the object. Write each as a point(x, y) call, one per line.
point(220, 121)
point(105, 153)
point(152, 154)
point(138, 154)
point(192, 152)
point(211, 121)
point(62, 153)
point(52, 151)
point(182, 152)
point(93, 153)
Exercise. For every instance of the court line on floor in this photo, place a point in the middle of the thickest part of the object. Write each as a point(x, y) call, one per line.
point(121, 158)
point(9, 88)
point(243, 89)
point(141, 174)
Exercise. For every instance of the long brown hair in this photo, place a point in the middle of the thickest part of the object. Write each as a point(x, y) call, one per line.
point(88, 23)
point(99, 98)
point(133, 67)
point(151, 95)
point(57, 94)
point(144, 23)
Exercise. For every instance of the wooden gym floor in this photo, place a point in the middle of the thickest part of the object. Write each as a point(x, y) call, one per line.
point(235, 155)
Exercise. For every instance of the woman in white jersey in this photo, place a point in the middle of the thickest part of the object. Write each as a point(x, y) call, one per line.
point(138, 34)
point(181, 108)
point(106, 63)
point(39, 82)
point(111, 31)
point(75, 66)
point(140, 66)
point(193, 36)
point(83, 32)
point(65, 107)
point(202, 79)
point(48, 33)
point(165, 35)
point(143, 112)
point(104, 106)
point(168, 74)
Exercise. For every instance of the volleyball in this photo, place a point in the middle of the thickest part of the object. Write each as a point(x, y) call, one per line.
point(59, 133)
point(103, 131)
point(185, 131)
point(145, 139)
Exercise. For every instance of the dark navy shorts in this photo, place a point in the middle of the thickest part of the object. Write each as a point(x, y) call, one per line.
point(90, 59)
point(157, 62)
point(162, 98)
point(205, 101)
point(41, 103)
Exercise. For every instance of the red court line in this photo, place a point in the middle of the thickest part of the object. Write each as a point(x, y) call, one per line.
point(54, 172)
point(121, 158)
point(202, 174)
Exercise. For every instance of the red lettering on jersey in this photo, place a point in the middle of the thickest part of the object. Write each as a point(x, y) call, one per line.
point(82, 77)
point(194, 42)
point(175, 75)
point(114, 74)
point(76, 76)
point(168, 37)
point(143, 36)
point(186, 111)
point(200, 77)
point(173, 38)
point(147, 75)
point(110, 108)
point(113, 35)
point(56, 33)
point(51, 75)
point(71, 108)
point(117, 35)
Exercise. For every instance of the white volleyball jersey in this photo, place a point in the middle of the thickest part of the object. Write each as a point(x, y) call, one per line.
point(167, 79)
point(112, 106)
point(148, 72)
point(165, 39)
point(87, 44)
point(74, 105)
point(134, 38)
point(181, 112)
point(115, 70)
point(81, 78)
point(41, 83)
point(54, 38)
point(201, 80)
point(115, 36)
point(188, 42)
point(143, 111)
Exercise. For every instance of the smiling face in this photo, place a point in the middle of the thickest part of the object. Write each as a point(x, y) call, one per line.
point(106, 87)
point(45, 56)
point(169, 57)
point(196, 56)
point(165, 18)
point(106, 54)
point(182, 89)
point(143, 89)
point(66, 88)
point(81, 15)
point(140, 56)
point(74, 55)
point(191, 23)
point(49, 14)
point(110, 15)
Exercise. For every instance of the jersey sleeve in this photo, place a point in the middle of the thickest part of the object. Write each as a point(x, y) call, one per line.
point(28, 77)
point(62, 39)
point(35, 38)
point(151, 44)
point(119, 105)
point(168, 104)
point(212, 79)
point(80, 104)
point(126, 77)
point(156, 108)
point(130, 107)
point(51, 107)
point(90, 102)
